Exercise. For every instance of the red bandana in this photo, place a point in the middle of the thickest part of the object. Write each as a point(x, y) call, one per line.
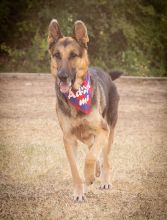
point(81, 99)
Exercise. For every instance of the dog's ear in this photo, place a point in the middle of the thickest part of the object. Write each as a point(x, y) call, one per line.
point(80, 33)
point(54, 32)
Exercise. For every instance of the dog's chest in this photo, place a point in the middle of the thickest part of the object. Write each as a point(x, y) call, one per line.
point(84, 133)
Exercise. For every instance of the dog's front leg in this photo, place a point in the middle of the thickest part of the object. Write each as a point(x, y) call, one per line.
point(93, 155)
point(70, 144)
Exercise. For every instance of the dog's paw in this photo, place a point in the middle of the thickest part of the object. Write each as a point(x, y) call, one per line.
point(105, 186)
point(89, 171)
point(89, 179)
point(79, 198)
point(79, 195)
point(98, 169)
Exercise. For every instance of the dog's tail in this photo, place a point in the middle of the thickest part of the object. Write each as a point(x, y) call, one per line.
point(115, 74)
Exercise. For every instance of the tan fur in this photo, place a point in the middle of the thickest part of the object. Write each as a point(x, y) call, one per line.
point(81, 64)
point(91, 129)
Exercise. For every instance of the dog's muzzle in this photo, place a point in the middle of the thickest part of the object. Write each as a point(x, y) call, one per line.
point(64, 81)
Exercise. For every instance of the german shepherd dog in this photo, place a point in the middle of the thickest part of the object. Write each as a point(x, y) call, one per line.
point(95, 126)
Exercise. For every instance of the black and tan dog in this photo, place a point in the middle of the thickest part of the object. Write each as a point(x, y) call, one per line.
point(69, 65)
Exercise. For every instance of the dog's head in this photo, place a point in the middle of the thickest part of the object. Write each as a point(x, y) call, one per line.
point(69, 58)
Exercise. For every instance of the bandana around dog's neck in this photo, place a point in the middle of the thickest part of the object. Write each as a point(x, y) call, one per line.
point(81, 99)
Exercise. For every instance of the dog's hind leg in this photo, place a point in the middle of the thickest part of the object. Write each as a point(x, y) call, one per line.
point(70, 144)
point(105, 169)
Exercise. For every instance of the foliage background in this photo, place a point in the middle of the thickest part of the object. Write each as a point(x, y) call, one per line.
point(128, 35)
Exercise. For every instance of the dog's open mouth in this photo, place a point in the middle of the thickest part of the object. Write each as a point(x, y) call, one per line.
point(64, 86)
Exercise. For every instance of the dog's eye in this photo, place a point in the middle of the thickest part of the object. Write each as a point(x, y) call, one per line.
point(73, 55)
point(57, 55)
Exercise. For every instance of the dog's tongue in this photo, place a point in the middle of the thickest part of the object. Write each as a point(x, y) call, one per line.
point(64, 87)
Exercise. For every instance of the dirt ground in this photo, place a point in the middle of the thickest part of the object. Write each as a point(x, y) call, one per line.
point(35, 179)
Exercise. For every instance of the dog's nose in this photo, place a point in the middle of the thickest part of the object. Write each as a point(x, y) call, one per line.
point(62, 75)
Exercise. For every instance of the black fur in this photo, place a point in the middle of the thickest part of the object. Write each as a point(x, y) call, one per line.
point(109, 97)
point(66, 42)
point(115, 74)
point(103, 80)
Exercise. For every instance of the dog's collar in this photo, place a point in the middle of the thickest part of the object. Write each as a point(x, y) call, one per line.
point(81, 99)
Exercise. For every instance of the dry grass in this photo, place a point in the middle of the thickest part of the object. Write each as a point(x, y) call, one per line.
point(35, 181)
